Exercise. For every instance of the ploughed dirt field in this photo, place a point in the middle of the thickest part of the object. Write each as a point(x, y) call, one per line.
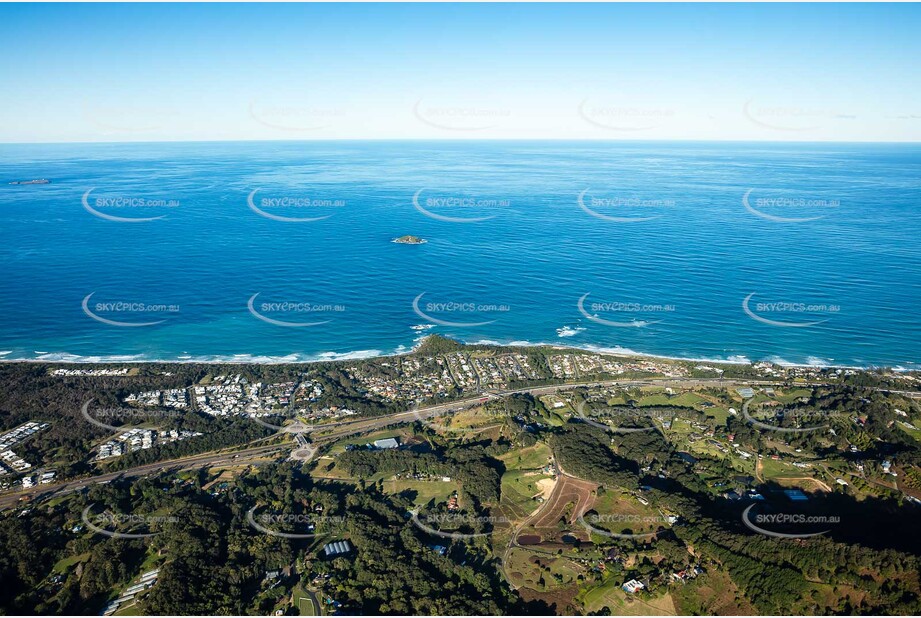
point(570, 499)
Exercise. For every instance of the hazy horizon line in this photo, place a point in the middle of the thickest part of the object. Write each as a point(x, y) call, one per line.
point(461, 139)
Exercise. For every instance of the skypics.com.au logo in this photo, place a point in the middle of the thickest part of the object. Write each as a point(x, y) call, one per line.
point(126, 415)
point(626, 522)
point(781, 206)
point(439, 205)
point(104, 207)
point(787, 525)
point(625, 117)
point(785, 414)
point(619, 308)
point(270, 207)
point(628, 209)
point(296, 117)
point(264, 310)
point(98, 310)
point(460, 117)
point(757, 312)
point(792, 118)
point(457, 308)
point(293, 525)
point(105, 522)
point(458, 526)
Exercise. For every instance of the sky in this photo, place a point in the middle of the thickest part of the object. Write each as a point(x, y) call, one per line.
point(189, 72)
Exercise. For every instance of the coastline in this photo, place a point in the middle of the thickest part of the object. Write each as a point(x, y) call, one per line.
point(64, 358)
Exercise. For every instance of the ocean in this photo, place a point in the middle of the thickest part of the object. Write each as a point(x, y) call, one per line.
point(800, 253)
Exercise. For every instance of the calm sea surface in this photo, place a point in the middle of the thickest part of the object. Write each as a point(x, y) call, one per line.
point(802, 253)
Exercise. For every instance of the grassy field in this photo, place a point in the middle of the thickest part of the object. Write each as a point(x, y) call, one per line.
point(529, 458)
point(713, 594)
point(686, 399)
point(58, 501)
point(466, 420)
point(129, 610)
point(679, 434)
point(681, 428)
point(306, 607)
point(303, 603)
point(617, 400)
point(622, 513)
point(914, 433)
point(520, 480)
point(325, 467)
point(425, 491)
point(792, 395)
point(65, 563)
point(702, 447)
point(825, 595)
point(771, 469)
point(659, 399)
point(151, 561)
point(557, 414)
point(339, 447)
point(329, 461)
point(518, 490)
point(609, 594)
point(718, 413)
point(541, 572)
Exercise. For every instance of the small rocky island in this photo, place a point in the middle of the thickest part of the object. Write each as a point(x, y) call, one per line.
point(410, 240)
point(40, 181)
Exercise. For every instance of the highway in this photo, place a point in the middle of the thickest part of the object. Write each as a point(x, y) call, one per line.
point(11, 499)
point(322, 435)
point(343, 429)
point(336, 431)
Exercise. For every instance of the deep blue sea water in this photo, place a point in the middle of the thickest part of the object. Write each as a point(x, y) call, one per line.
point(663, 241)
